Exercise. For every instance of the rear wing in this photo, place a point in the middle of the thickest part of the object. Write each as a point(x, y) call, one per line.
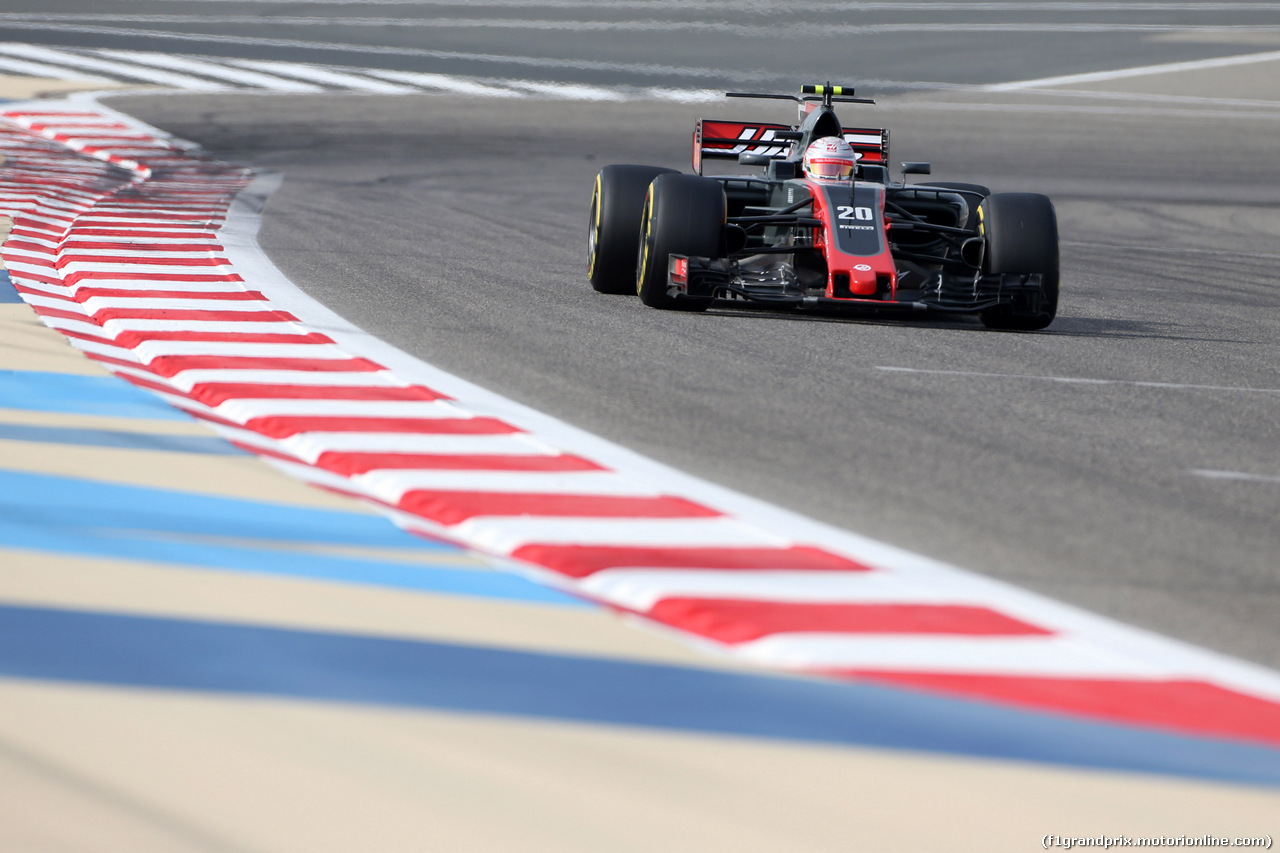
point(725, 140)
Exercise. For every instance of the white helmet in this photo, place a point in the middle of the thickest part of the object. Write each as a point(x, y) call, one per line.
point(830, 159)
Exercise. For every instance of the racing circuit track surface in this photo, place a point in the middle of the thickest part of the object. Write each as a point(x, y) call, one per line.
point(1124, 460)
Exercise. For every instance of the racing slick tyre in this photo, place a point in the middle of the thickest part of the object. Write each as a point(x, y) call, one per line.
point(683, 215)
point(614, 226)
point(1022, 237)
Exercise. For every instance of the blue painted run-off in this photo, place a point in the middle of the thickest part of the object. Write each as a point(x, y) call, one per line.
point(68, 515)
point(8, 293)
point(84, 395)
point(61, 645)
point(119, 439)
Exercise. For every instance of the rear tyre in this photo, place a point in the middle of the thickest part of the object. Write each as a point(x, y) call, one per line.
point(614, 226)
point(683, 215)
point(1022, 237)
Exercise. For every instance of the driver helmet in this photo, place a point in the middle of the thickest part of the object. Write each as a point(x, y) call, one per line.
point(830, 159)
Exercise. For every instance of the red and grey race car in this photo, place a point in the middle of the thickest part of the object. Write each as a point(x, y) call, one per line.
point(822, 225)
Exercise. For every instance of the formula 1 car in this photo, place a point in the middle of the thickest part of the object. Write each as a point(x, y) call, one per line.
point(787, 240)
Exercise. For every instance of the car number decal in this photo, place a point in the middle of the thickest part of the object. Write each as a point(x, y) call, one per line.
point(854, 225)
point(846, 211)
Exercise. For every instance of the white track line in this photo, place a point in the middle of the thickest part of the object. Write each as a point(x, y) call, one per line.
point(650, 69)
point(211, 69)
point(327, 76)
point(1138, 71)
point(444, 82)
point(1058, 109)
point(1153, 97)
point(1174, 250)
point(576, 92)
point(1079, 380)
point(1234, 475)
point(45, 70)
point(383, 80)
point(74, 60)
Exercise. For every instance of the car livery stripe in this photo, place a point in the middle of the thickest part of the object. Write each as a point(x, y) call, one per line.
point(118, 243)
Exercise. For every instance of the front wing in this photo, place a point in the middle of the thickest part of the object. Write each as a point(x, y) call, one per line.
point(721, 278)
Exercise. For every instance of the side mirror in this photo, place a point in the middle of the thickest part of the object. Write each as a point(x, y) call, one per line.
point(875, 173)
point(748, 159)
point(917, 168)
point(782, 170)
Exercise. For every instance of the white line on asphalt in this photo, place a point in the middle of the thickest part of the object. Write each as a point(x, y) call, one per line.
point(652, 69)
point(327, 76)
point(1234, 475)
point(1060, 109)
point(572, 91)
point(42, 69)
point(1139, 71)
point(445, 82)
point(1078, 380)
point(683, 96)
point(211, 69)
point(59, 57)
point(1162, 99)
point(1167, 250)
point(346, 78)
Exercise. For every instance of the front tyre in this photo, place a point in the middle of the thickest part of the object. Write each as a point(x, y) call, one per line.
point(1022, 238)
point(614, 226)
point(683, 215)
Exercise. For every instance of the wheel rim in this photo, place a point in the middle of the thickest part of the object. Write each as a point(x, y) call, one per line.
point(593, 229)
point(643, 262)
